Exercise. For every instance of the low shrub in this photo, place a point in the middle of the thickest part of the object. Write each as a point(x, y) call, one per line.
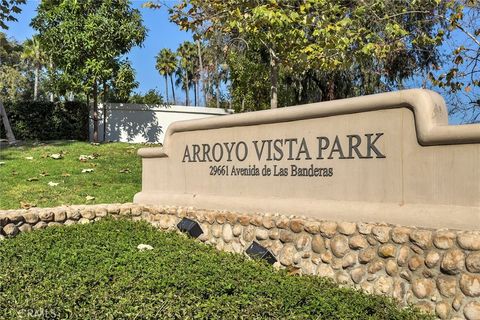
point(42, 120)
point(96, 272)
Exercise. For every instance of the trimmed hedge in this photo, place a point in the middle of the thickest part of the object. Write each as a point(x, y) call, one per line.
point(43, 120)
point(95, 271)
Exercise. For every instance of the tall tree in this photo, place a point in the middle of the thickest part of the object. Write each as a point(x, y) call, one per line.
point(187, 53)
point(123, 83)
point(10, 51)
point(92, 36)
point(7, 10)
point(34, 55)
point(13, 82)
point(396, 37)
point(166, 63)
point(201, 70)
point(459, 76)
point(214, 56)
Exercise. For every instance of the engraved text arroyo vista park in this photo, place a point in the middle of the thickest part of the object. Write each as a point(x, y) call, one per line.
point(352, 146)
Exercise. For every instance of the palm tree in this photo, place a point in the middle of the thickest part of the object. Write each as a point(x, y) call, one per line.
point(214, 58)
point(201, 70)
point(166, 65)
point(187, 53)
point(182, 79)
point(34, 55)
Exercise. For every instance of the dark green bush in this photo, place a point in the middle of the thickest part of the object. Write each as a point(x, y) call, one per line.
point(96, 272)
point(42, 120)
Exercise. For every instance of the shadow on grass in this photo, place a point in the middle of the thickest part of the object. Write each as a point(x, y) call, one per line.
point(32, 144)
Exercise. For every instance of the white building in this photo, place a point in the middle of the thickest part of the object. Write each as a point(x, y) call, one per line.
point(137, 123)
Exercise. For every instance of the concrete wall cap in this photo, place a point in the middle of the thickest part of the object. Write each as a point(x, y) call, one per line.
point(431, 118)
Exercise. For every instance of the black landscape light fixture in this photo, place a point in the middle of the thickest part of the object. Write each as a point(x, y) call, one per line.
point(256, 251)
point(192, 228)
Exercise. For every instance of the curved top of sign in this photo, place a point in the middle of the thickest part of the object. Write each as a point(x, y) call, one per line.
point(431, 118)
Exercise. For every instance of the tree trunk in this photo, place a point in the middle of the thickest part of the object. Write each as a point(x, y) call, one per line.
point(202, 76)
point(35, 86)
point(194, 93)
point(95, 112)
point(217, 80)
point(6, 125)
point(187, 101)
point(209, 86)
point(300, 91)
point(104, 111)
point(173, 90)
point(166, 88)
point(218, 94)
point(331, 90)
point(273, 81)
point(37, 74)
point(195, 89)
point(104, 108)
point(51, 70)
point(104, 91)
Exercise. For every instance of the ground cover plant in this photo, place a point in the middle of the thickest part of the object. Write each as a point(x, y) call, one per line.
point(68, 172)
point(96, 271)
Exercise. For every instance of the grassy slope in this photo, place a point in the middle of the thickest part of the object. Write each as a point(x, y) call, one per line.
point(106, 183)
point(95, 272)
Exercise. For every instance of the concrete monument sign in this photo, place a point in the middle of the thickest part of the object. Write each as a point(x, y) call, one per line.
point(389, 157)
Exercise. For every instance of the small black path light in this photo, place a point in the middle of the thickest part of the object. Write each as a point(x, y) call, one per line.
point(192, 228)
point(256, 251)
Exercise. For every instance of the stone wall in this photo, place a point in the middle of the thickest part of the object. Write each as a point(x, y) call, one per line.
point(437, 270)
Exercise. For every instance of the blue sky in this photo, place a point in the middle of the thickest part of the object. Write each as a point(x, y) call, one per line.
point(161, 34)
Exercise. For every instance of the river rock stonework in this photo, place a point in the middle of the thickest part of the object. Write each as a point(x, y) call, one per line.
point(437, 270)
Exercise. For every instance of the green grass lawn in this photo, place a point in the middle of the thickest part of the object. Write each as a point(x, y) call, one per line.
point(26, 172)
point(95, 271)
